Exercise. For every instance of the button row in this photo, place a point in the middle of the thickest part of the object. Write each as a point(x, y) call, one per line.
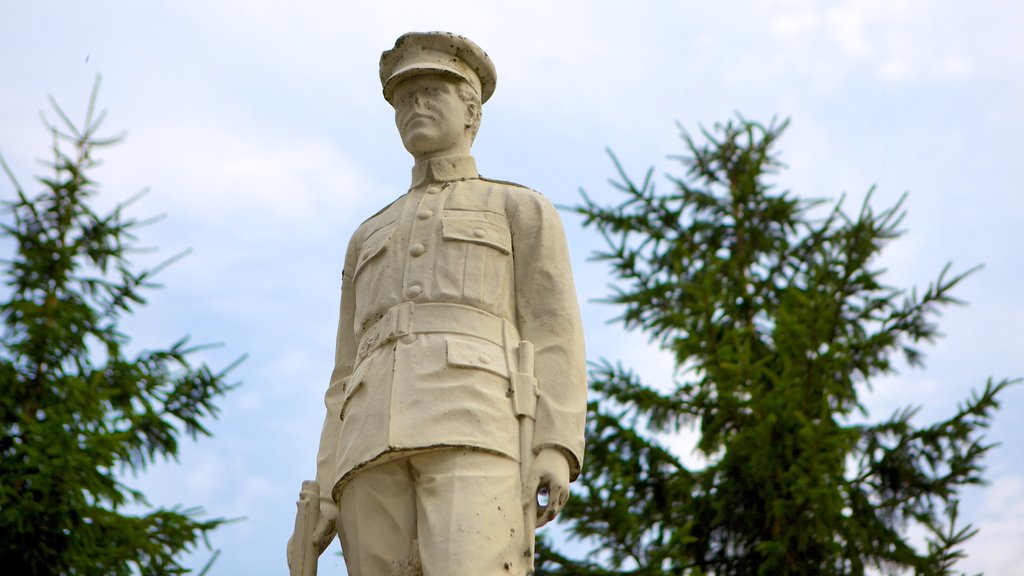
point(414, 290)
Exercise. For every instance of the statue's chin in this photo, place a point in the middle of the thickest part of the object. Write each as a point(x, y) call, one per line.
point(419, 138)
point(426, 141)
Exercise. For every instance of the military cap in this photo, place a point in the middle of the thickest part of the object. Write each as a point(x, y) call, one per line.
point(437, 53)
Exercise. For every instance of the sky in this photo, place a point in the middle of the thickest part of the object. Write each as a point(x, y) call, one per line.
point(260, 130)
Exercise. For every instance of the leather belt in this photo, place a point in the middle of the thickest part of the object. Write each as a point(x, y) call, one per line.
point(436, 317)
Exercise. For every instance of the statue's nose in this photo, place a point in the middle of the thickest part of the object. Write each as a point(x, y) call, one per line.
point(419, 102)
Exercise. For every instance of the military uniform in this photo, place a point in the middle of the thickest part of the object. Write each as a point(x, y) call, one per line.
point(439, 289)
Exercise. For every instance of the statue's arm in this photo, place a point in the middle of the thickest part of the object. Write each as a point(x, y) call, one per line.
point(344, 358)
point(548, 316)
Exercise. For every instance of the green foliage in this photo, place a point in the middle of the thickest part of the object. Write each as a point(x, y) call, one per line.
point(778, 319)
point(77, 412)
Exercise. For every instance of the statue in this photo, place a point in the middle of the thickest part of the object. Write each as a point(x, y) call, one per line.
point(458, 395)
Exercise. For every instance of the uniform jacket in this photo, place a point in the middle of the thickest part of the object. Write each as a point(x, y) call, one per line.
point(438, 289)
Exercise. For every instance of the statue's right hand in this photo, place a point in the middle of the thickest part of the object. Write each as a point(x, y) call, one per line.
point(326, 528)
point(320, 539)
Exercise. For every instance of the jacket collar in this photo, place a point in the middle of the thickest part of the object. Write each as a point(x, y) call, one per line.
point(443, 169)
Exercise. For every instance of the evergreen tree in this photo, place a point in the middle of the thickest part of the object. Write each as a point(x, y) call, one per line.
point(778, 319)
point(77, 412)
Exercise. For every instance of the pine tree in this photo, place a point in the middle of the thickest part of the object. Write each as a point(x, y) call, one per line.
point(778, 320)
point(77, 412)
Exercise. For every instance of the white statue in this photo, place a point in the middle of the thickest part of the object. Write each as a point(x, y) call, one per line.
point(459, 389)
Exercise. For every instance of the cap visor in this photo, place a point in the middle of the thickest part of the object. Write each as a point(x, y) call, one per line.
point(419, 69)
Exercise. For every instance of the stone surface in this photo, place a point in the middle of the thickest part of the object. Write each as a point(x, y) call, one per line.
point(459, 386)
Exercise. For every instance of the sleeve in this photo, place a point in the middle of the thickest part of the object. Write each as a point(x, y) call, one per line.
point(548, 316)
point(344, 358)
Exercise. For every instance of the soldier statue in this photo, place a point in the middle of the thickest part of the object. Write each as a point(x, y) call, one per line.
point(459, 389)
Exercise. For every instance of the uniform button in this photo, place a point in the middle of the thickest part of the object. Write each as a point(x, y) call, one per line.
point(417, 249)
point(413, 291)
point(424, 214)
point(479, 232)
point(433, 189)
point(484, 359)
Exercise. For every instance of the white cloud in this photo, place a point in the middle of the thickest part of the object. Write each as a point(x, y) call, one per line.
point(997, 547)
point(256, 186)
point(250, 494)
point(898, 41)
point(206, 476)
point(846, 24)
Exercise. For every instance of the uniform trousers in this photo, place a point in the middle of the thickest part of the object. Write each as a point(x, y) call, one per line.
point(460, 510)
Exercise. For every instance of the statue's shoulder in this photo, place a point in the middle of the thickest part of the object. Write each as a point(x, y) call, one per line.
point(512, 187)
point(517, 195)
point(513, 192)
point(383, 216)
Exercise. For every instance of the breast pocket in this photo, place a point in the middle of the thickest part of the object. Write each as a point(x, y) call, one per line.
point(373, 246)
point(370, 276)
point(475, 258)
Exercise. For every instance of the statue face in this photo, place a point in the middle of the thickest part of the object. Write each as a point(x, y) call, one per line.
point(431, 118)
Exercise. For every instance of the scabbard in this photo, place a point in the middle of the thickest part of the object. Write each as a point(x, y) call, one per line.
point(524, 397)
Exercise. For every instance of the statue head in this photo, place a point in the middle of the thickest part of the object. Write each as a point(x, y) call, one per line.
point(437, 83)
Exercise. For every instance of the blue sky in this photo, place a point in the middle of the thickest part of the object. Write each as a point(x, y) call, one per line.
point(260, 129)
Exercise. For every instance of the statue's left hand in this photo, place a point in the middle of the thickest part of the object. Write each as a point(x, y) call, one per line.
point(550, 470)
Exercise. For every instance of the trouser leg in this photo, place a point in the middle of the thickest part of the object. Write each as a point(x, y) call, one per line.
point(470, 517)
point(378, 519)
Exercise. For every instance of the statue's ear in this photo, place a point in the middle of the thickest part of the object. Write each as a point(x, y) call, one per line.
point(472, 109)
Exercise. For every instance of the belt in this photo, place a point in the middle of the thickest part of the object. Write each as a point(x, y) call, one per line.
point(435, 317)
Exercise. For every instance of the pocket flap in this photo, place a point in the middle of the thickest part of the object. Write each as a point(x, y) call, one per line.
point(373, 245)
point(335, 396)
point(478, 354)
point(479, 232)
point(351, 385)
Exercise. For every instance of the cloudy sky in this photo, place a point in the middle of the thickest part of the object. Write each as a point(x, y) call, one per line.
point(260, 129)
